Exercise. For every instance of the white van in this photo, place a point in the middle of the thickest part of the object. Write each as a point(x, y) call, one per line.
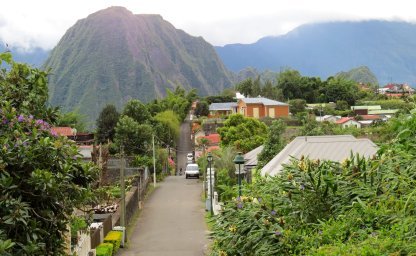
point(192, 170)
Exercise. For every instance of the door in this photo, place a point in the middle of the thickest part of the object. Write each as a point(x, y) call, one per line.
point(256, 113)
point(271, 113)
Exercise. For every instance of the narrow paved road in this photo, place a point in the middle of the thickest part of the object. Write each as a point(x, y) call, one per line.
point(184, 143)
point(172, 221)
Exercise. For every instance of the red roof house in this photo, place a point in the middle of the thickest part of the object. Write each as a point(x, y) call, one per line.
point(62, 131)
point(347, 122)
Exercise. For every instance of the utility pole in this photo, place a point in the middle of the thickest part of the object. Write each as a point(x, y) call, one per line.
point(154, 162)
point(123, 190)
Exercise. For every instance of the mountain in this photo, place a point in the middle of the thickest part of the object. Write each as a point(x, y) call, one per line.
point(113, 56)
point(360, 75)
point(35, 57)
point(324, 49)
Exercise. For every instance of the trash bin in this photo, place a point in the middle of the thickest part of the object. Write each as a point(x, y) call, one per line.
point(123, 231)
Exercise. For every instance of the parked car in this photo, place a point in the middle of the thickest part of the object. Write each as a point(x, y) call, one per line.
point(192, 170)
point(190, 157)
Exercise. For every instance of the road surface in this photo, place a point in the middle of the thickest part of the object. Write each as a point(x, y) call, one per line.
point(172, 221)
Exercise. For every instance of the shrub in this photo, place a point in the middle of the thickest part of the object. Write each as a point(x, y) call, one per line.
point(104, 249)
point(357, 207)
point(114, 238)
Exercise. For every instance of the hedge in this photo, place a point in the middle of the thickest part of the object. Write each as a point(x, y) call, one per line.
point(104, 249)
point(114, 238)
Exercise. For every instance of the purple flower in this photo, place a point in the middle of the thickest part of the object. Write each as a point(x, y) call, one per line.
point(54, 133)
point(278, 233)
point(302, 187)
point(5, 121)
point(273, 212)
point(239, 205)
point(20, 118)
point(320, 232)
point(25, 143)
point(238, 199)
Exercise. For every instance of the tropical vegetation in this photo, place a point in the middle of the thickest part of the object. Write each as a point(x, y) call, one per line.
point(42, 178)
point(357, 207)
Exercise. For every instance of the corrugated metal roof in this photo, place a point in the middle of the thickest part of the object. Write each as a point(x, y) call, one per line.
point(222, 106)
point(382, 111)
point(375, 107)
point(251, 157)
point(335, 148)
point(264, 101)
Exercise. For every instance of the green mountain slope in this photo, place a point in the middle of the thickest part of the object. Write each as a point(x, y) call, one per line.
point(113, 56)
point(360, 75)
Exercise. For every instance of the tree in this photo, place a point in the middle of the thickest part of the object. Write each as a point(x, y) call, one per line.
point(106, 124)
point(202, 109)
point(167, 126)
point(42, 178)
point(135, 138)
point(243, 133)
point(274, 142)
point(336, 89)
point(289, 82)
point(297, 106)
point(256, 87)
point(72, 119)
point(138, 111)
point(271, 92)
point(245, 87)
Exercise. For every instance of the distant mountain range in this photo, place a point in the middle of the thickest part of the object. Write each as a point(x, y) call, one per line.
point(113, 56)
point(35, 57)
point(388, 49)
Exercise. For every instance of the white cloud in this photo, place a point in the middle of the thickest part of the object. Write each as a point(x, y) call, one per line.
point(28, 24)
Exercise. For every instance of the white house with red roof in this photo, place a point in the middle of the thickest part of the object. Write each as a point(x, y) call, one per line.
point(348, 122)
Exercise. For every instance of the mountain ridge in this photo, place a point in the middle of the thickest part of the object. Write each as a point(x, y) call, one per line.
point(114, 55)
point(324, 49)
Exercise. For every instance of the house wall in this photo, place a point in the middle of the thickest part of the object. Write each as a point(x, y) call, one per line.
point(361, 111)
point(351, 123)
point(250, 107)
point(281, 111)
point(240, 107)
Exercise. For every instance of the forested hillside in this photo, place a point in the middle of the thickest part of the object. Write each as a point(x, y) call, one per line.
point(113, 56)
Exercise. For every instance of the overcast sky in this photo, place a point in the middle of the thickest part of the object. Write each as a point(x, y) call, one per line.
point(28, 23)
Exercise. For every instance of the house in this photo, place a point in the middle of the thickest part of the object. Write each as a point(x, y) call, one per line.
point(367, 120)
point(222, 109)
point(363, 110)
point(213, 139)
point(335, 148)
point(262, 107)
point(396, 90)
point(327, 118)
point(63, 131)
point(348, 122)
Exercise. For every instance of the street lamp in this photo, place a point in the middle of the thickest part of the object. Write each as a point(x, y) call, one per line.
point(209, 159)
point(239, 163)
